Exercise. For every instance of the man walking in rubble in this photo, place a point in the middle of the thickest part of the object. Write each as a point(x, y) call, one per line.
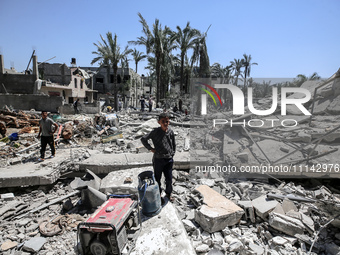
point(46, 132)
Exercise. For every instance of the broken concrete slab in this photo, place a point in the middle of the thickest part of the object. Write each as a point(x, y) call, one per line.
point(115, 182)
point(34, 244)
point(104, 163)
point(217, 212)
point(286, 224)
point(263, 206)
point(163, 234)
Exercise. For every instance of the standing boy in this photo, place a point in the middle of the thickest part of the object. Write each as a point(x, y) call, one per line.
point(46, 134)
point(163, 139)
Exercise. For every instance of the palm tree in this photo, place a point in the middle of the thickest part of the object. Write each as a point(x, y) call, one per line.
point(301, 78)
point(200, 54)
point(102, 57)
point(154, 43)
point(137, 56)
point(236, 66)
point(219, 71)
point(185, 40)
point(247, 66)
point(111, 50)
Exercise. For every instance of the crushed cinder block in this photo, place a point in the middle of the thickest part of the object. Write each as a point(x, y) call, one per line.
point(286, 224)
point(34, 244)
point(7, 196)
point(248, 208)
point(120, 142)
point(263, 206)
point(217, 212)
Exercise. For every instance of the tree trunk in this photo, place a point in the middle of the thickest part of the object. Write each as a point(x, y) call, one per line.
point(115, 92)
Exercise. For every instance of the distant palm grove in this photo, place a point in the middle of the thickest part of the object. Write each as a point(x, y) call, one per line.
point(167, 53)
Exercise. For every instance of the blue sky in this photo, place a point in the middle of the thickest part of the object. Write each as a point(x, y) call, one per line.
point(285, 38)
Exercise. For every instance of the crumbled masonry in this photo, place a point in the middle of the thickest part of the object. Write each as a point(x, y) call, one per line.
point(214, 212)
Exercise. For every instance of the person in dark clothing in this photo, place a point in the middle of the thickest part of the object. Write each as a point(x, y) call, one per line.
point(46, 134)
point(163, 139)
point(175, 109)
point(75, 105)
point(142, 103)
point(180, 103)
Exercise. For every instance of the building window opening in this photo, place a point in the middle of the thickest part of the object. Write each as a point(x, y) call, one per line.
point(75, 82)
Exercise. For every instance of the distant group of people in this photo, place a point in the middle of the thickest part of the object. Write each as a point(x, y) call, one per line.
point(142, 103)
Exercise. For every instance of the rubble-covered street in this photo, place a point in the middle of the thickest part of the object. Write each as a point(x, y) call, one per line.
point(214, 212)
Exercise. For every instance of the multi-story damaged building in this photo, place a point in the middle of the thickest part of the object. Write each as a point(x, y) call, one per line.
point(130, 85)
point(70, 83)
point(47, 87)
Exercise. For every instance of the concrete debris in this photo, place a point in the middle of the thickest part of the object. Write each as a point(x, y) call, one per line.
point(217, 212)
point(214, 212)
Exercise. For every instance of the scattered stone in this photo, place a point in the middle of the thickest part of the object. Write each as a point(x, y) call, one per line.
point(202, 248)
point(217, 212)
point(286, 224)
point(235, 245)
point(7, 245)
point(34, 244)
point(7, 196)
point(263, 206)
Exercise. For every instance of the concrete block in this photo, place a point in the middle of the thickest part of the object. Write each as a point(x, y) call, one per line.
point(248, 210)
point(286, 224)
point(34, 244)
point(120, 142)
point(7, 196)
point(217, 212)
point(263, 206)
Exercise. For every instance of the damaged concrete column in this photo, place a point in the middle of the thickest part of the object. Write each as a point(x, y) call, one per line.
point(35, 67)
point(2, 68)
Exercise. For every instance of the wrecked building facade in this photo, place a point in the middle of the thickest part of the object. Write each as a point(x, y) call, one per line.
point(49, 87)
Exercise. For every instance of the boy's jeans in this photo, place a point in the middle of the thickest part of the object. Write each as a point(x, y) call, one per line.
point(163, 165)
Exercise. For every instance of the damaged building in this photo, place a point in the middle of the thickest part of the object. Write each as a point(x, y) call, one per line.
point(50, 87)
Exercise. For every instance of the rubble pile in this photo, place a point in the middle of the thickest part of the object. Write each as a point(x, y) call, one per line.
point(223, 212)
point(275, 219)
